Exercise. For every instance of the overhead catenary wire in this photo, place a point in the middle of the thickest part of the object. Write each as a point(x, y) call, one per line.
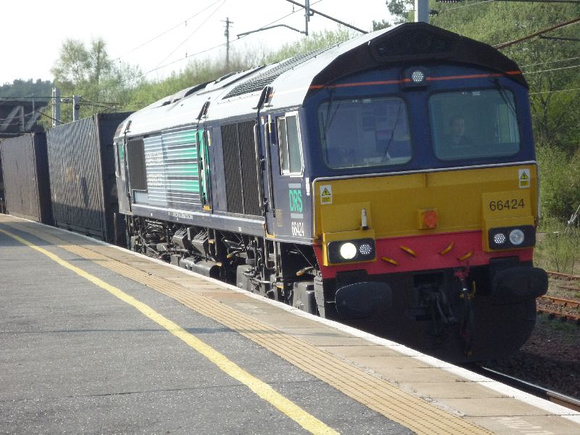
point(556, 91)
point(269, 25)
point(552, 69)
point(107, 105)
point(468, 5)
point(215, 47)
point(187, 56)
point(194, 32)
point(168, 30)
point(551, 61)
point(539, 32)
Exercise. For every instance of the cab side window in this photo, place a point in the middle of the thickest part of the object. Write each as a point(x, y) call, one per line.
point(289, 145)
point(136, 163)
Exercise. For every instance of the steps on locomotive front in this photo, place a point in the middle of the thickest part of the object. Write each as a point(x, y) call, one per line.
point(418, 392)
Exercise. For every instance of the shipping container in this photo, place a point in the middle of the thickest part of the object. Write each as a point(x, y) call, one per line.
point(81, 164)
point(2, 198)
point(25, 176)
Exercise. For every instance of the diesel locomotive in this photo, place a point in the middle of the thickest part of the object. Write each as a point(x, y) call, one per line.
point(389, 182)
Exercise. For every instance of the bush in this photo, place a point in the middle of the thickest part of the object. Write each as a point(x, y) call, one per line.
point(559, 182)
point(558, 247)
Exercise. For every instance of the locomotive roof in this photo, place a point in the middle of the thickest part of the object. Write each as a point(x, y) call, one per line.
point(292, 80)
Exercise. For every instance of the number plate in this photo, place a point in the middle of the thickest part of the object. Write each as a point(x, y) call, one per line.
point(507, 204)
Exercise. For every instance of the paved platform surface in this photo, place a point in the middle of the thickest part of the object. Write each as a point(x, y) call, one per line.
point(95, 339)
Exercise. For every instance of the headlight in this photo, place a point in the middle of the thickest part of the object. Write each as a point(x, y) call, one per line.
point(347, 251)
point(512, 237)
point(351, 250)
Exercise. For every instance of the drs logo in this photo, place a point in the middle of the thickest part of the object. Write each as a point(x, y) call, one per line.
point(296, 206)
point(295, 200)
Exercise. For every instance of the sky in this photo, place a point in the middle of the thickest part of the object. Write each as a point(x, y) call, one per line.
point(161, 37)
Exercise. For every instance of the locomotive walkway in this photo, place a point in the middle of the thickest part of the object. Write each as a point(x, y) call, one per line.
point(95, 339)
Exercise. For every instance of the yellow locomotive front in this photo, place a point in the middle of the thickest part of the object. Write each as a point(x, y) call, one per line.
point(448, 250)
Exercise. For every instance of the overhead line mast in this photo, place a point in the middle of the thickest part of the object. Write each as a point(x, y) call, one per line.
point(227, 35)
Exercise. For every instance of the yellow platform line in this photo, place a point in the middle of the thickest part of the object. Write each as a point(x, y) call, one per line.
point(376, 393)
point(262, 389)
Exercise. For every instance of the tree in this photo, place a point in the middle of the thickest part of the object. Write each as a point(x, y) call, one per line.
point(19, 88)
point(91, 74)
point(402, 10)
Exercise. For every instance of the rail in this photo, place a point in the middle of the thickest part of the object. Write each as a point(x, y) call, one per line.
point(536, 390)
point(565, 276)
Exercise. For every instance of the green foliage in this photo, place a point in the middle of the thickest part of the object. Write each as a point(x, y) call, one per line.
point(378, 25)
point(314, 42)
point(560, 182)
point(558, 247)
point(19, 89)
point(91, 74)
point(196, 72)
point(402, 10)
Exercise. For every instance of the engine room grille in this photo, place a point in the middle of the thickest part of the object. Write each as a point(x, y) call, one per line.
point(239, 154)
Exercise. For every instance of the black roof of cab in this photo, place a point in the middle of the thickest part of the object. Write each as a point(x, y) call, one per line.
point(416, 42)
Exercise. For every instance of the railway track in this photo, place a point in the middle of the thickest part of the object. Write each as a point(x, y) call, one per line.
point(563, 309)
point(563, 302)
point(564, 276)
point(536, 390)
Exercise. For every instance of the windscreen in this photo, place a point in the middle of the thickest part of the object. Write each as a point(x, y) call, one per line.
point(364, 132)
point(474, 124)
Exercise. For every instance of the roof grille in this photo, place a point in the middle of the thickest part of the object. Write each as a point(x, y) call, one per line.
point(265, 78)
point(417, 43)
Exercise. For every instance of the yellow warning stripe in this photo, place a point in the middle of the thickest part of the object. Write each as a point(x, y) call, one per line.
point(259, 387)
point(377, 394)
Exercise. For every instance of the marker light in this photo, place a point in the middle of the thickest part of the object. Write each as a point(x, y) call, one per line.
point(517, 237)
point(499, 238)
point(418, 76)
point(365, 249)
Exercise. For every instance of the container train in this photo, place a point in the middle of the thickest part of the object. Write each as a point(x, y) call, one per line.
point(388, 182)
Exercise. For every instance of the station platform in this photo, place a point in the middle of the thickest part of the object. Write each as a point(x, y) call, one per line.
point(96, 339)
